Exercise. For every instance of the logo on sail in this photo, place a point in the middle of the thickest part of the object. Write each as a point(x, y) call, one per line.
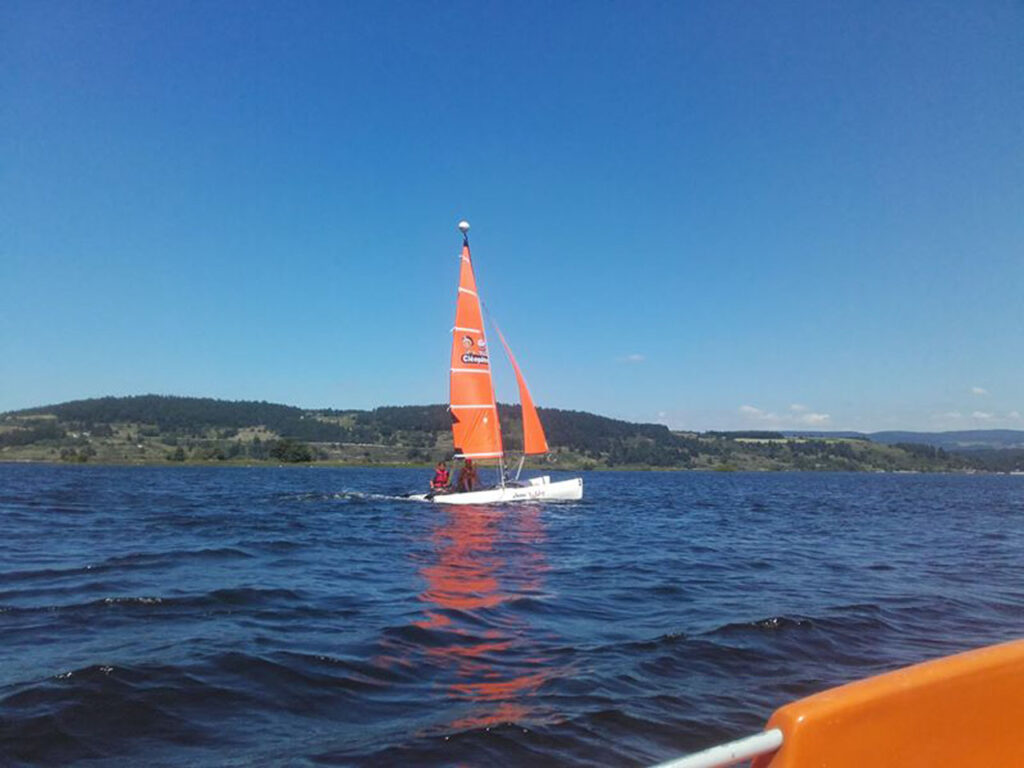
point(470, 356)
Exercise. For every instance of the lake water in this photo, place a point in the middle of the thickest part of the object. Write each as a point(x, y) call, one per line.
point(233, 616)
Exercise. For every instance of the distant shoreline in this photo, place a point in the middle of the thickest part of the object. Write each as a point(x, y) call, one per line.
point(429, 466)
point(157, 430)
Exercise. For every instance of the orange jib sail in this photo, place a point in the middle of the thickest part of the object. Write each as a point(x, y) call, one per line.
point(475, 427)
point(534, 440)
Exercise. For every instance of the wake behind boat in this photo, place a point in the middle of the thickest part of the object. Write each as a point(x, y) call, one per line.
point(476, 430)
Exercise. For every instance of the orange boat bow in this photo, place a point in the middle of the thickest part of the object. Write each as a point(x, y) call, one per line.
point(963, 710)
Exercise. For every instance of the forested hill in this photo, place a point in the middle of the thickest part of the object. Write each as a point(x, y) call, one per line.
point(409, 424)
point(157, 428)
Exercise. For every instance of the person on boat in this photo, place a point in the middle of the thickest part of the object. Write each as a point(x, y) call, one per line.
point(441, 478)
point(467, 476)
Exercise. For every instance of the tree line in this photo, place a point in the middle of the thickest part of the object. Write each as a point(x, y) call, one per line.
point(211, 429)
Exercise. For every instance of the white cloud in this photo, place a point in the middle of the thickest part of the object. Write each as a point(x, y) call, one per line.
point(1014, 415)
point(633, 358)
point(979, 391)
point(757, 414)
point(949, 415)
point(800, 415)
point(981, 415)
point(815, 419)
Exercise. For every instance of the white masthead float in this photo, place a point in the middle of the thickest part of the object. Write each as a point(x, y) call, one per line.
point(476, 430)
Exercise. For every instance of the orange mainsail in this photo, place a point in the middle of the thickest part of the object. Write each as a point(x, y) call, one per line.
point(475, 426)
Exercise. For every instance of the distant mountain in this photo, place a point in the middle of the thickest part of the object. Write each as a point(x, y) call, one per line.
point(968, 439)
point(962, 440)
point(829, 435)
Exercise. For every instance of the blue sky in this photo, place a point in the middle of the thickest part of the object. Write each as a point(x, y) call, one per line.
point(712, 215)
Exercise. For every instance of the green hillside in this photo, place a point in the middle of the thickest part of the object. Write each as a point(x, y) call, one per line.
point(159, 429)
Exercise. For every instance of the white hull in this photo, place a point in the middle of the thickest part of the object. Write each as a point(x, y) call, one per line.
point(535, 489)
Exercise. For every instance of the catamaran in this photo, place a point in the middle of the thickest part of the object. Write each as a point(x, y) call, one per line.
point(475, 427)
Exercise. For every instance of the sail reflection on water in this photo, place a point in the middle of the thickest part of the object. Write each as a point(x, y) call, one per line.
point(471, 595)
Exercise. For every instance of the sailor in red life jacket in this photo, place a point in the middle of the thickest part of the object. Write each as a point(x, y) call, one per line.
point(440, 481)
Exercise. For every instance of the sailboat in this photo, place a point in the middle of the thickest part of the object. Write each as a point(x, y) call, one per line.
point(476, 430)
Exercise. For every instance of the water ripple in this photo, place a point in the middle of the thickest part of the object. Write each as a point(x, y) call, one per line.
point(264, 616)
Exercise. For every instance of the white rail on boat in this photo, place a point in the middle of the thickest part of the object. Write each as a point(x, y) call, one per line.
point(731, 753)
